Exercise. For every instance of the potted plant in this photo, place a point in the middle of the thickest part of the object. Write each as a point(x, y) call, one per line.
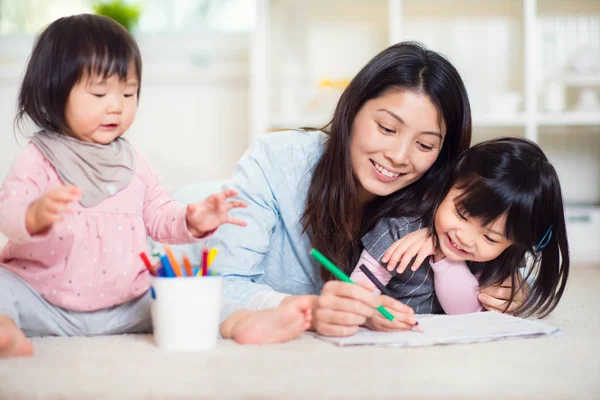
point(122, 12)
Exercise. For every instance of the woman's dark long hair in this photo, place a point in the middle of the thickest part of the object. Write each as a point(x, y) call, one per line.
point(333, 213)
point(513, 176)
point(67, 49)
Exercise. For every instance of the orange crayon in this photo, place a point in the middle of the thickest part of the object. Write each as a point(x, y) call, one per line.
point(173, 261)
point(188, 266)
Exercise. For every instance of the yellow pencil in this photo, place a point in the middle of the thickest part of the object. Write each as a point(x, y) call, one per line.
point(211, 255)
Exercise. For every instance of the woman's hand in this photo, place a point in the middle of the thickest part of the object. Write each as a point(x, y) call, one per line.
point(343, 307)
point(206, 216)
point(404, 317)
point(495, 298)
point(417, 244)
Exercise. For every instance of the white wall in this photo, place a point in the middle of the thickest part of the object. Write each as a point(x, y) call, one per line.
point(192, 117)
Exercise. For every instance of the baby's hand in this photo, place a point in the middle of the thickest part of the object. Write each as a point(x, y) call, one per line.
point(417, 245)
point(49, 208)
point(209, 214)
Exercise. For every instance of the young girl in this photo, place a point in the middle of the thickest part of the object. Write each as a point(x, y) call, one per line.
point(79, 201)
point(500, 211)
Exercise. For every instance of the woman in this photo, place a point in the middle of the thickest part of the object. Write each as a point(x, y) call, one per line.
point(400, 121)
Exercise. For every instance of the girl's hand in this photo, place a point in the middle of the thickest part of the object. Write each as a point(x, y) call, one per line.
point(49, 208)
point(404, 317)
point(495, 298)
point(343, 307)
point(206, 216)
point(418, 243)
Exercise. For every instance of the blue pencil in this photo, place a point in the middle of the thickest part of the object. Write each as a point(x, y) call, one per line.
point(167, 269)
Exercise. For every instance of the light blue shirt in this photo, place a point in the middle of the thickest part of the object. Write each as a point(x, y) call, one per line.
point(269, 258)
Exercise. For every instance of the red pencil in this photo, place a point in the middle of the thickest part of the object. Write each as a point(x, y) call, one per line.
point(205, 262)
point(148, 264)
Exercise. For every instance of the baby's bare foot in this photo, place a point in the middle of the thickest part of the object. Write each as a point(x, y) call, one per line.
point(13, 342)
point(275, 325)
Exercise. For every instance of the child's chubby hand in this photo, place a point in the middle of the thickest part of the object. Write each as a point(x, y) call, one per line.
point(417, 245)
point(50, 208)
point(207, 215)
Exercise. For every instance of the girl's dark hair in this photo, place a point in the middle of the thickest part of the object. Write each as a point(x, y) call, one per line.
point(62, 53)
point(513, 176)
point(333, 211)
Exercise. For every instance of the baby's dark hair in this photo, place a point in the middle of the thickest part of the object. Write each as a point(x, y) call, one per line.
point(513, 175)
point(66, 50)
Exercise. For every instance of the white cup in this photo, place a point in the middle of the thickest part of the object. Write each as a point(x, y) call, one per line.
point(186, 312)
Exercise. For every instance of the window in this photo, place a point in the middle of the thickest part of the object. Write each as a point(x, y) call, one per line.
point(158, 16)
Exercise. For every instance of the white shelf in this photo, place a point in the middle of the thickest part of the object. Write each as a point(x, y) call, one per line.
point(569, 118)
point(313, 120)
point(492, 120)
point(581, 80)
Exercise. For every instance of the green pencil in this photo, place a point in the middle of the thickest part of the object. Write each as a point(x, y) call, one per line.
point(338, 273)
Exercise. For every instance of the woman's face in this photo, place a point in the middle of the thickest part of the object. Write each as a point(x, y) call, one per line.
point(395, 139)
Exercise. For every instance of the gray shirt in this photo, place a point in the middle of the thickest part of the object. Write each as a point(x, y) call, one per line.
point(413, 288)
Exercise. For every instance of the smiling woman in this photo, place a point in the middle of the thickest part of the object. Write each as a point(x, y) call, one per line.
point(398, 124)
point(394, 146)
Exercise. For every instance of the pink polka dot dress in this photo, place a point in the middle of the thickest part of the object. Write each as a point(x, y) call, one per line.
point(89, 260)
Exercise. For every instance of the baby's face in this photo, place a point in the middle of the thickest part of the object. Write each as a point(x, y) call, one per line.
point(100, 110)
point(462, 237)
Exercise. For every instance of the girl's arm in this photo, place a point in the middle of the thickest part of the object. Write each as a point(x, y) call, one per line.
point(456, 288)
point(165, 218)
point(26, 181)
point(378, 270)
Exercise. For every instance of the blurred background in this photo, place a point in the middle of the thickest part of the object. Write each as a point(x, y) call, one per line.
point(218, 73)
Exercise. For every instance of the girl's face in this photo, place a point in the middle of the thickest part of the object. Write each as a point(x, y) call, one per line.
point(395, 139)
point(100, 110)
point(462, 237)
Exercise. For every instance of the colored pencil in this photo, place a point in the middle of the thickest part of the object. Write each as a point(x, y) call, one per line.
point(339, 274)
point(188, 266)
point(167, 269)
point(375, 281)
point(204, 262)
point(211, 256)
point(148, 264)
point(173, 261)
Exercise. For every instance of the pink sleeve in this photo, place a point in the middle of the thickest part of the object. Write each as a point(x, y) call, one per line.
point(378, 270)
point(456, 287)
point(25, 182)
point(164, 217)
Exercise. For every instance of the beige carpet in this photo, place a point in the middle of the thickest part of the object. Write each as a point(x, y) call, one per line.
point(131, 367)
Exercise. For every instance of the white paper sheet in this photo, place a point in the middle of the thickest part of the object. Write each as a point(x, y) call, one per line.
point(449, 329)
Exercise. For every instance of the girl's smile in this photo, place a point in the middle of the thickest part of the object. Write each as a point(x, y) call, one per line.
point(463, 237)
point(454, 247)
